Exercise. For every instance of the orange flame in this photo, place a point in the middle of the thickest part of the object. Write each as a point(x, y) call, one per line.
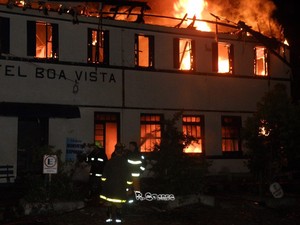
point(192, 8)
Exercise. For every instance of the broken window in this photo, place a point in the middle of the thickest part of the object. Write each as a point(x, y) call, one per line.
point(42, 39)
point(150, 131)
point(98, 46)
point(231, 133)
point(4, 35)
point(144, 50)
point(261, 61)
point(184, 54)
point(194, 126)
point(222, 54)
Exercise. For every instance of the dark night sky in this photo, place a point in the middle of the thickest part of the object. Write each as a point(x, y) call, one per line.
point(287, 14)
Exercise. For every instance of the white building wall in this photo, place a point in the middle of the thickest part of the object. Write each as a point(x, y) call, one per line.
point(130, 92)
point(8, 141)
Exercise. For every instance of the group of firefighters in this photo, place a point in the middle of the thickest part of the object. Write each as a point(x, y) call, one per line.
point(116, 179)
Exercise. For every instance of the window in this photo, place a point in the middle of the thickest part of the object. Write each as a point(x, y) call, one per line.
point(106, 131)
point(42, 40)
point(150, 131)
point(144, 50)
point(194, 126)
point(231, 130)
point(4, 35)
point(98, 46)
point(184, 54)
point(261, 61)
point(222, 57)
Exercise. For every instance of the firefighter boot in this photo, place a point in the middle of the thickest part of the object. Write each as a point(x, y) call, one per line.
point(109, 215)
point(118, 218)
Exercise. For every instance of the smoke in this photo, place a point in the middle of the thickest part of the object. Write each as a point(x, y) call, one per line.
point(255, 13)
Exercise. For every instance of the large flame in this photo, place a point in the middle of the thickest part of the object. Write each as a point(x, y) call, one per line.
point(193, 8)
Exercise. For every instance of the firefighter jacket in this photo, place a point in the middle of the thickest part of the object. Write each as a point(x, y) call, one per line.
point(136, 163)
point(116, 180)
point(97, 159)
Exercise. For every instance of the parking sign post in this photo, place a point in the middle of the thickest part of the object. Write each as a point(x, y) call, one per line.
point(50, 165)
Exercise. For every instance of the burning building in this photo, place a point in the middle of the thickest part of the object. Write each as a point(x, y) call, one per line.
point(74, 73)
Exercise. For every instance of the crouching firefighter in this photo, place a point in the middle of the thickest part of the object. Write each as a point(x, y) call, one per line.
point(116, 181)
point(97, 159)
point(136, 162)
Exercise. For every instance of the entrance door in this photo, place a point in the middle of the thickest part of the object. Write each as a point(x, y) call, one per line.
point(107, 131)
point(32, 134)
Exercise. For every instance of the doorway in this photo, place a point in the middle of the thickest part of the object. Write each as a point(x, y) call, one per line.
point(32, 135)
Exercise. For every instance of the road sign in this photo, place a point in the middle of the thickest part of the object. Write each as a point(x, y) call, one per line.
point(50, 164)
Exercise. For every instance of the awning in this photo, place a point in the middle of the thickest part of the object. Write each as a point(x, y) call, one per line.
point(38, 110)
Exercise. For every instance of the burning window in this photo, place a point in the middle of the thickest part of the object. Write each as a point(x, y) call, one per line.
point(42, 39)
point(231, 129)
point(4, 35)
point(106, 131)
point(150, 131)
point(261, 61)
point(144, 50)
point(98, 46)
point(222, 57)
point(184, 54)
point(193, 126)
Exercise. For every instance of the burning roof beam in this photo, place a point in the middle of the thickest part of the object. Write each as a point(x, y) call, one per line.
point(271, 43)
point(181, 22)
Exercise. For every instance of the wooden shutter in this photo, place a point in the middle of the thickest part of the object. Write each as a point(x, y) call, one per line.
point(90, 46)
point(31, 39)
point(5, 35)
point(176, 53)
point(106, 47)
point(55, 37)
point(231, 59)
point(215, 56)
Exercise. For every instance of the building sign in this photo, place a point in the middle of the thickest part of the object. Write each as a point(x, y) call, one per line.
point(39, 72)
point(74, 148)
point(50, 164)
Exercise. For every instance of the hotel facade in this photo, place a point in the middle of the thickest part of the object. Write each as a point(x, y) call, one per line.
point(68, 78)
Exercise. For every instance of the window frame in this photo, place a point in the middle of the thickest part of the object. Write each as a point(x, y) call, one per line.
point(202, 129)
point(215, 57)
point(103, 44)
point(266, 63)
point(236, 140)
point(152, 122)
point(150, 51)
point(31, 39)
point(177, 55)
point(100, 121)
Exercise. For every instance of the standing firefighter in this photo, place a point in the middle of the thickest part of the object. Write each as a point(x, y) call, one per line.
point(97, 159)
point(116, 181)
point(136, 164)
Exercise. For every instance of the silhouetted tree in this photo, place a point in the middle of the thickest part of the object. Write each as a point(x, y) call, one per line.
point(178, 172)
point(272, 136)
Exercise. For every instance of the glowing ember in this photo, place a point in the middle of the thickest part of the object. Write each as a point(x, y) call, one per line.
point(191, 8)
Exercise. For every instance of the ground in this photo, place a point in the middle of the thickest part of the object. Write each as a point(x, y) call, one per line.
point(228, 210)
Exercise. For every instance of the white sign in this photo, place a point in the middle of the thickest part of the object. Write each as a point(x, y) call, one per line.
point(50, 164)
point(276, 190)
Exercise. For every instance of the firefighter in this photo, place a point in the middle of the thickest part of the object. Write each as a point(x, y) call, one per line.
point(136, 163)
point(97, 159)
point(116, 180)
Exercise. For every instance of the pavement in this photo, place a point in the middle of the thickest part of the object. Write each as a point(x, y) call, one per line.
point(227, 210)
